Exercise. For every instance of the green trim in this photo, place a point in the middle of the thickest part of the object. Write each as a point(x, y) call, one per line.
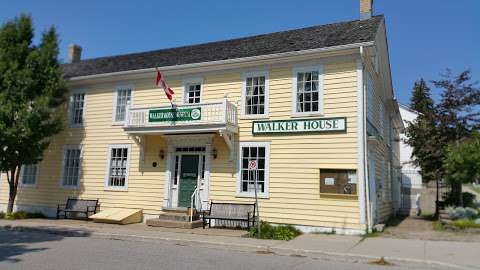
point(344, 130)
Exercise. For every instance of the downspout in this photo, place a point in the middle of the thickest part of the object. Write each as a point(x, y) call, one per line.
point(364, 146)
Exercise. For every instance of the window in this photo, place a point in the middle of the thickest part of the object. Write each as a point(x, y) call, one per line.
point(123, 98)
point(259, 151)
point(342, 182)
point(72, 155)
point(118, 163)
point(255, 94)
point(28, 175)
point(381, 119)
point(193, 93)
point(192, 89)
point(77, 103)
point(308, 91)
point(369, 86)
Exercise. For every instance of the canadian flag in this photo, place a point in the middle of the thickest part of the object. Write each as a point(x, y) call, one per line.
point(162, 84)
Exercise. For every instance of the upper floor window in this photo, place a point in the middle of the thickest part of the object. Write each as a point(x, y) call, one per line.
point(118, 165)
point(308, 90)
point(369, 88)
point(77, 104)
point(255, 94)
point(381, 119)
point(193, 90)
point(123, 98)
point(259, 151)
point(29, 175)
point(72, 155)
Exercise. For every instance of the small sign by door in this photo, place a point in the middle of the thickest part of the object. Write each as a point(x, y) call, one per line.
point(252, 164)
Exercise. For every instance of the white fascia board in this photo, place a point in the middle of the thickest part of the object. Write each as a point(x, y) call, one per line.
point(221, 64)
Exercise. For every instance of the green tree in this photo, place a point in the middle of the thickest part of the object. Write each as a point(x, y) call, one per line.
point(463, 160)
point(424, 137)
point(422, 133)
point(32, 92)
point(457, 115)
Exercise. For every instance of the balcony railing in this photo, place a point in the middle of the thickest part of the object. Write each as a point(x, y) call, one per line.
point(188, 115)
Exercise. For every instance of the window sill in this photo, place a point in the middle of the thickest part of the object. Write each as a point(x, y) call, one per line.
point(118, 123)
point(118, 189)
point(76, 126)
point(28, 185)
point(254, 117)
point(69, 187)
point(309, 114)
point(252, 195)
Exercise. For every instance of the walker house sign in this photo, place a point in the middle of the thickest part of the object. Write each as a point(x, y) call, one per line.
point(165, 115)
point(300, 126)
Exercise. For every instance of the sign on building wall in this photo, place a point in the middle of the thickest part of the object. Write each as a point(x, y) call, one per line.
point(316, 125)
point(168, 115)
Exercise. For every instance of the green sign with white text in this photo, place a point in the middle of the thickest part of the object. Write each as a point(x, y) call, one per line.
point(172, 115)
point(314, 125)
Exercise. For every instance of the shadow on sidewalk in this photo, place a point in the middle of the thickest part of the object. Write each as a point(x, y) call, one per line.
point(18, 242)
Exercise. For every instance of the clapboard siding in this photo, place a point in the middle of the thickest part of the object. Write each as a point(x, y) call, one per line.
point(295, 160)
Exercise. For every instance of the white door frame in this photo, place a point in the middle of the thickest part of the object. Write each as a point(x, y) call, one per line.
point(170, 192)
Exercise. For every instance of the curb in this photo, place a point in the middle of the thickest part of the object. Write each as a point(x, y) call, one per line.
point(264, 249)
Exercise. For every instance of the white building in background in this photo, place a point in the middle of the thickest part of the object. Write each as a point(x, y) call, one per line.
point(411, 180)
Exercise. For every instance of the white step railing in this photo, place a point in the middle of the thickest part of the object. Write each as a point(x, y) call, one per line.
point(223, 112)
point(195, 203)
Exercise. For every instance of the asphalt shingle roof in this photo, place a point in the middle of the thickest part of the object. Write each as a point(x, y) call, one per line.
point(328, 35)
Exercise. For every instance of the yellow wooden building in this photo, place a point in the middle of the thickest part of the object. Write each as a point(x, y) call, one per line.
point(314, 106)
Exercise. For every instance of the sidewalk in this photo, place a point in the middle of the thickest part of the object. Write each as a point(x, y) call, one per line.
point(438, 254)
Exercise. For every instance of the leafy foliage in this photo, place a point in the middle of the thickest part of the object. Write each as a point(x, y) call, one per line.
point(441, 127)
point(21, 215)
point(463, 160)
point(32, 90)
point(281, 232)
point(465, 224)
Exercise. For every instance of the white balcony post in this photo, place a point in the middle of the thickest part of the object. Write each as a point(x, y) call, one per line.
point(127, 114)
point(225, 107)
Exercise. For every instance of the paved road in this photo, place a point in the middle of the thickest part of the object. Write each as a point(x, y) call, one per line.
point(33, 250)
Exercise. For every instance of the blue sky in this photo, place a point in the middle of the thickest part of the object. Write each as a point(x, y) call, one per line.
point(425, 37)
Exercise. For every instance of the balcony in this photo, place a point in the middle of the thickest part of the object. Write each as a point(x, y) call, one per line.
point(214, 117)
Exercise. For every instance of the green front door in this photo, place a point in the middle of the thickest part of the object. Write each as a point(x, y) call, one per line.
point(188, 179)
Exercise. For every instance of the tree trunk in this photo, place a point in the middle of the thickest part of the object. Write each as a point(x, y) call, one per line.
point(437, 208)
point(13, 185)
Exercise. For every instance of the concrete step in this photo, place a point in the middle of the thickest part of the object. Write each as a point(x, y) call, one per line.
point(177, 216)
point(173, 223)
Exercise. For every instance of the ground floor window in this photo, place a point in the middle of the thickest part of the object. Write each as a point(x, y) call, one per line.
point(118, 163)
point(259, 151)
point(71, 165)
point(29, 174)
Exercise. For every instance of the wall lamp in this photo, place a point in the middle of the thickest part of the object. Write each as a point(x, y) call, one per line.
point(214, 153)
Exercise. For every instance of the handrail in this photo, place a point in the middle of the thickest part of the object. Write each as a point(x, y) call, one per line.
point(220, 112)
point(198, 204)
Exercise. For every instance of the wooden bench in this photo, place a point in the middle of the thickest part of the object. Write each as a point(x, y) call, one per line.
point(236, 213)
point(77, 206)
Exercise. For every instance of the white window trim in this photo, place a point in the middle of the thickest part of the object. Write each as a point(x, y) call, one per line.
point(189, 81)
point(246, 75)
point(321, 91)
point(65, 148)
point(80, 91)
point(107, 171)
point(36, 177)
point(266, 194)
point(115, 99)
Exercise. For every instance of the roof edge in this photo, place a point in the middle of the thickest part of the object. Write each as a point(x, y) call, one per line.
point(225, 62)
